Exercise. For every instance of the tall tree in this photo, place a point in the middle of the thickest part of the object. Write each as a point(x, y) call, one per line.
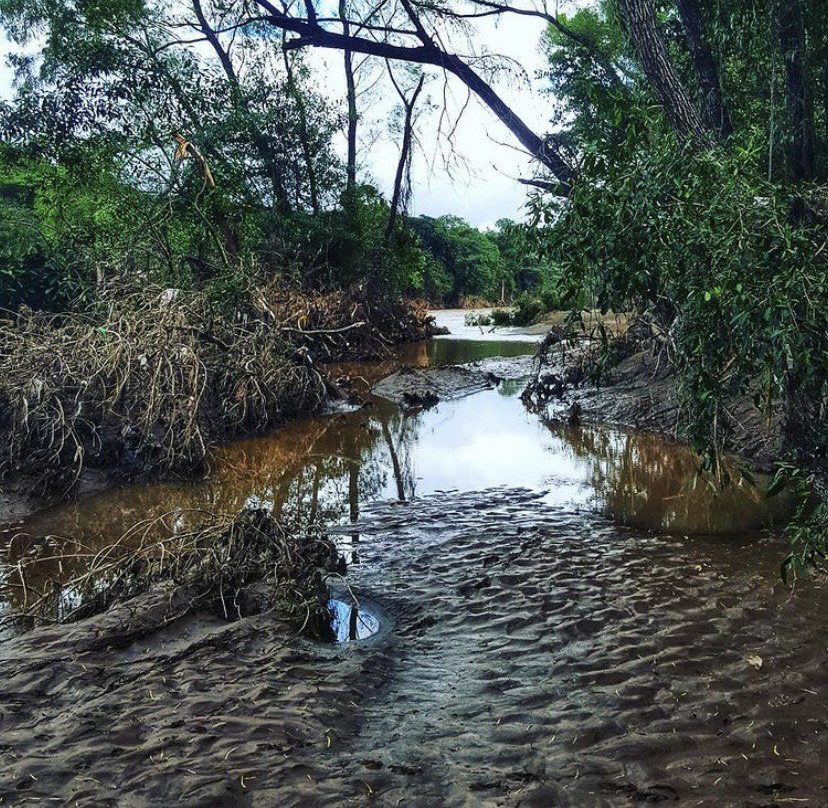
point(403, 163)
point(304, 137)
point(713, 105)
point(350, 92)
point(790, 22)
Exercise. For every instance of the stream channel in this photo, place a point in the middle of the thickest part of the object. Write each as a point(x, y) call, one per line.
point(554, 615)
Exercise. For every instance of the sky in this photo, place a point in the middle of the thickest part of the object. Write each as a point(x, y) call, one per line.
point(481, 186)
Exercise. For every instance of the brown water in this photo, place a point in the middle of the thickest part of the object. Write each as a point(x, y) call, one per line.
point(329, 466)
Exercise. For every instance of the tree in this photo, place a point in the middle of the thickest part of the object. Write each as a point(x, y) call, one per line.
point(790, 21)
point(469, 257)
point(640, 19)
point(713, 106)
point(350, 92)
point(311, 32)
point(403, 164)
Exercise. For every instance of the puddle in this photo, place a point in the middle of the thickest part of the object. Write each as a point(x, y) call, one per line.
point(350, 622)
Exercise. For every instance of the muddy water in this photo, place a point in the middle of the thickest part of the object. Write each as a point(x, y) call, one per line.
point(565, 617)
point(330, 466)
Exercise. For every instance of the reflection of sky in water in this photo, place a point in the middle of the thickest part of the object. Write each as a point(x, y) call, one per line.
point(489, 440)
point(328, 467)
point(349, 622)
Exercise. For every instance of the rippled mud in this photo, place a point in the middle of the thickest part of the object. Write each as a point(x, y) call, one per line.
point(529, 656)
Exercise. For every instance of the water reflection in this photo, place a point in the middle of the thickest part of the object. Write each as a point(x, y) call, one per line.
point(327, 468)
point(349, 622)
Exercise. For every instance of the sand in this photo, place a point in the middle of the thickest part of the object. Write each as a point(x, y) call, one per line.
point(528, 655)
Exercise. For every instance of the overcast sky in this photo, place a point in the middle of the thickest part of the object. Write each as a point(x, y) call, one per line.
point(483, 190)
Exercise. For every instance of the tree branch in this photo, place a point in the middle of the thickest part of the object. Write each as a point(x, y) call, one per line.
point(311, 34)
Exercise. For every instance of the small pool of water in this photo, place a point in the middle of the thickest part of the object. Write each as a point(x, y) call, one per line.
point(350, 622)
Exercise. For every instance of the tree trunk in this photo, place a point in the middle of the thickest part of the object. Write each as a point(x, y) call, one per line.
point(825, 92)
point(652, 53)
point(405, 153)
point(791, 25)
point(311, 34)
point(713, 106)
point(350, 85)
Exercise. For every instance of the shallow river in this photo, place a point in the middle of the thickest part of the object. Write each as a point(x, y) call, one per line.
point(331, 465)
point(566, 616)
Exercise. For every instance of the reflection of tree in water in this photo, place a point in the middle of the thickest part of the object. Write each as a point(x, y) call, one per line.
point(647, 481)
point(319, 468)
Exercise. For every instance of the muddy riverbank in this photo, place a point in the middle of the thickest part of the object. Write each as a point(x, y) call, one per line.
point(567, 615)
point(529, 656)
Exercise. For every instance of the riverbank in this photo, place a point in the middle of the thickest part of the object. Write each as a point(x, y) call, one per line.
point(146, 383)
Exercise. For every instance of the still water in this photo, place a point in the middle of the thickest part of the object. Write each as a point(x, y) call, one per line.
point(329, 466)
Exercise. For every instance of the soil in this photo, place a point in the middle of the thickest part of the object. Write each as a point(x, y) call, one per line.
point(414, 386)
point(24, 495)
point(528, 656)
point(640, 394)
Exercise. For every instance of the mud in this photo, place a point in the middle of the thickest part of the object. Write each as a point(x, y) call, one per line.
point(411, 386)
point(528, 656)
point(640, 394)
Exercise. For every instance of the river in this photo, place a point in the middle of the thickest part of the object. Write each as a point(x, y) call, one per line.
point(558, 616)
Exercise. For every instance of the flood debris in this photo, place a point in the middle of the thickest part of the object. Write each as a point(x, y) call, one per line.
point(231, 567)
point(344, 324)
point(148, 380)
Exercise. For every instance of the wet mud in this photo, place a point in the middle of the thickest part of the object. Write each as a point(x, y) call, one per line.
point(529, 656)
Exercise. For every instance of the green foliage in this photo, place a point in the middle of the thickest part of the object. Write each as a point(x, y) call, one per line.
point(465, 255)
point(715, 255)
point(578, 81)
point(807, 531)
point(725, 259)
point(98, 190)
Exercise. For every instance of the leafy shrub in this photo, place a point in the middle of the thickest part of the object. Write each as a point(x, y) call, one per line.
point(718, 257)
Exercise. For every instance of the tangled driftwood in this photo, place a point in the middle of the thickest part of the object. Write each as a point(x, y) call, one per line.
point(229, 565)
point(146, 382)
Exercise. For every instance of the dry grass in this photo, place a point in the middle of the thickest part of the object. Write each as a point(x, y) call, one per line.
point(231, 566)
point(146, 383)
